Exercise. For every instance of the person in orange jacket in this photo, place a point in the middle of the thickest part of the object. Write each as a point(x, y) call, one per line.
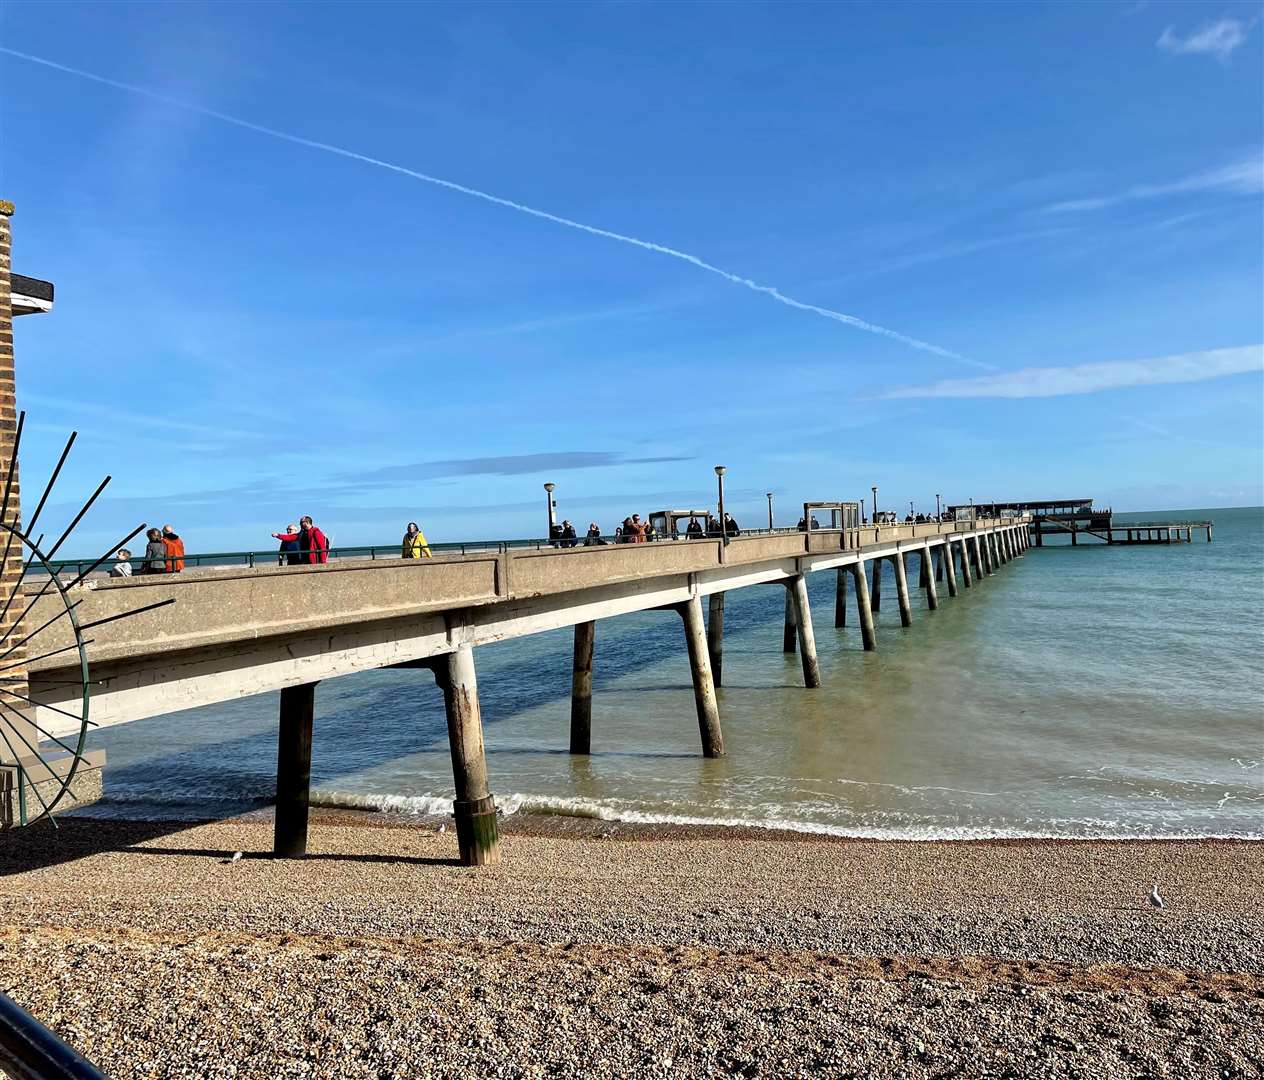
point(175, 550)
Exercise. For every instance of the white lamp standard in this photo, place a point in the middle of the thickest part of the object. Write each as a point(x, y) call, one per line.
point(720, 470)
point(548, 498)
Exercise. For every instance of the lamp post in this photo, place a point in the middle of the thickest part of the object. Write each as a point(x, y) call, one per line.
point(911, 508)
point(719, 476)
point(874, 489)
point(548, 498)
point(939, 514)
point(769, 494)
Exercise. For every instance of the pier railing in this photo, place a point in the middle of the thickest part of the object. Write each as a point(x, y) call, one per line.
point(863, 534)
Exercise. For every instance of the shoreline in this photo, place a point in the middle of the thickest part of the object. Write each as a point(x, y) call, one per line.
point(583, 826)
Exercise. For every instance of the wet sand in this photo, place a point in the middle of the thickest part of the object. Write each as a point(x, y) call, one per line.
point(615, 950)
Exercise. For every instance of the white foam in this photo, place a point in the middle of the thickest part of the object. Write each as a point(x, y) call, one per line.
point(563, 806)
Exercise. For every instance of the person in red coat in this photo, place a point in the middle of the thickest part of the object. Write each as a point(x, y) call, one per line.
point(313, 545)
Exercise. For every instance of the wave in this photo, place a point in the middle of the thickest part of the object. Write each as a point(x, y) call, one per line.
point(565, 806)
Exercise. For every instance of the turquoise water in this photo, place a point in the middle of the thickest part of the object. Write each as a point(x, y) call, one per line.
point(1087, 691)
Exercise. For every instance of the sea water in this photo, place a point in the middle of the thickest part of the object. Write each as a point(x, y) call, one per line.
point(1080, 691)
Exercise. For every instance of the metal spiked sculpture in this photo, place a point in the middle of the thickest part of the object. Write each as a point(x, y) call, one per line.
point(40, 764)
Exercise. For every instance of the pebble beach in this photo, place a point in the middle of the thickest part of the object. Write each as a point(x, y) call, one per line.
point(616, 950)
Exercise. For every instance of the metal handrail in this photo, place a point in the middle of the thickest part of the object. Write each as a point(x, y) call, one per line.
point(30, 1051)
point(272, 556)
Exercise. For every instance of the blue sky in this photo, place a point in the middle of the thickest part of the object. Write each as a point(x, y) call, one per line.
point(248, 328)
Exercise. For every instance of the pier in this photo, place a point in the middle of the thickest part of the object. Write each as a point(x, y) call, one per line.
point(1080, 518)
point(218, 633)
point(239, 631)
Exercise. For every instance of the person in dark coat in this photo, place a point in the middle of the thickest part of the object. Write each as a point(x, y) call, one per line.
point(730, 526)
point(694, 530)
point(568, 536)
point(288, 554)
point(155, 553)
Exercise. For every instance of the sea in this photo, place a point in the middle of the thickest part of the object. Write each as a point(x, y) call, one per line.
point(1086, 691)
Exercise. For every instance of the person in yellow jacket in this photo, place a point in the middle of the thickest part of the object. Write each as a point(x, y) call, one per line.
point(415, 546)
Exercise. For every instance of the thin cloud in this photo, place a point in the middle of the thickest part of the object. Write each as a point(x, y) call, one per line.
point(1218, 39)
point(508, 465)
point(1244, 177)
point(646, 245)
point(1092, 378)
point(132, 421)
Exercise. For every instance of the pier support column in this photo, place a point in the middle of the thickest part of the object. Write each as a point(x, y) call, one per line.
point(901, 588)
point(984, 551)
point(863, 611)
point(294, 771)
point(840, 598)
point(477, 835)
point(875, 588)
point(945, 564)
point(1040, 535)
point(966, 577)
point(703, 686)
point(932, 593)
point(715, 636)
point(789, 633)
point(798, 588)
point(939, 563)
point(581, 689)
point(923, 571)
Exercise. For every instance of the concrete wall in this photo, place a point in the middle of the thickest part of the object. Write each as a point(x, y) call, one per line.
point(534, 573)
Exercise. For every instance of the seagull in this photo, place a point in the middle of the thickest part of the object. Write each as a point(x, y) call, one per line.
point(236, 857)
point(443, 828)
point(1156, 901)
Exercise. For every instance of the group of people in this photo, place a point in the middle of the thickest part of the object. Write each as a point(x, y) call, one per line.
point(632, 530)
point(164, 554)
point(306, 544)
point(302, 544)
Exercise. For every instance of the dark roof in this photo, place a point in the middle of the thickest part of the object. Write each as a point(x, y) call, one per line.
point(1043, 504)
point(29, 286)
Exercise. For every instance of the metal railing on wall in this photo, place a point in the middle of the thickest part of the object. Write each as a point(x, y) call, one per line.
point(373, 552)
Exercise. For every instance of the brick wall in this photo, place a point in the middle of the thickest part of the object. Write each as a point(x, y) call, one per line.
point(11, 571)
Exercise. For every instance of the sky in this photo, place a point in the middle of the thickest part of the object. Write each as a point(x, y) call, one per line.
point(382, 263)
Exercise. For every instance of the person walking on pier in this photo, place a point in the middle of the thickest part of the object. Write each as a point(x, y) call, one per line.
point(593, 538)
point(568, 535)
point(636, 527)
point(313, 544)
point(415, 546)
point(155, 553)
point(694, 530)
point(175, 550)
point(730, 526)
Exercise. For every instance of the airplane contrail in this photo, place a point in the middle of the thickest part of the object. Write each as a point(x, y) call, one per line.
point(647, 245)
